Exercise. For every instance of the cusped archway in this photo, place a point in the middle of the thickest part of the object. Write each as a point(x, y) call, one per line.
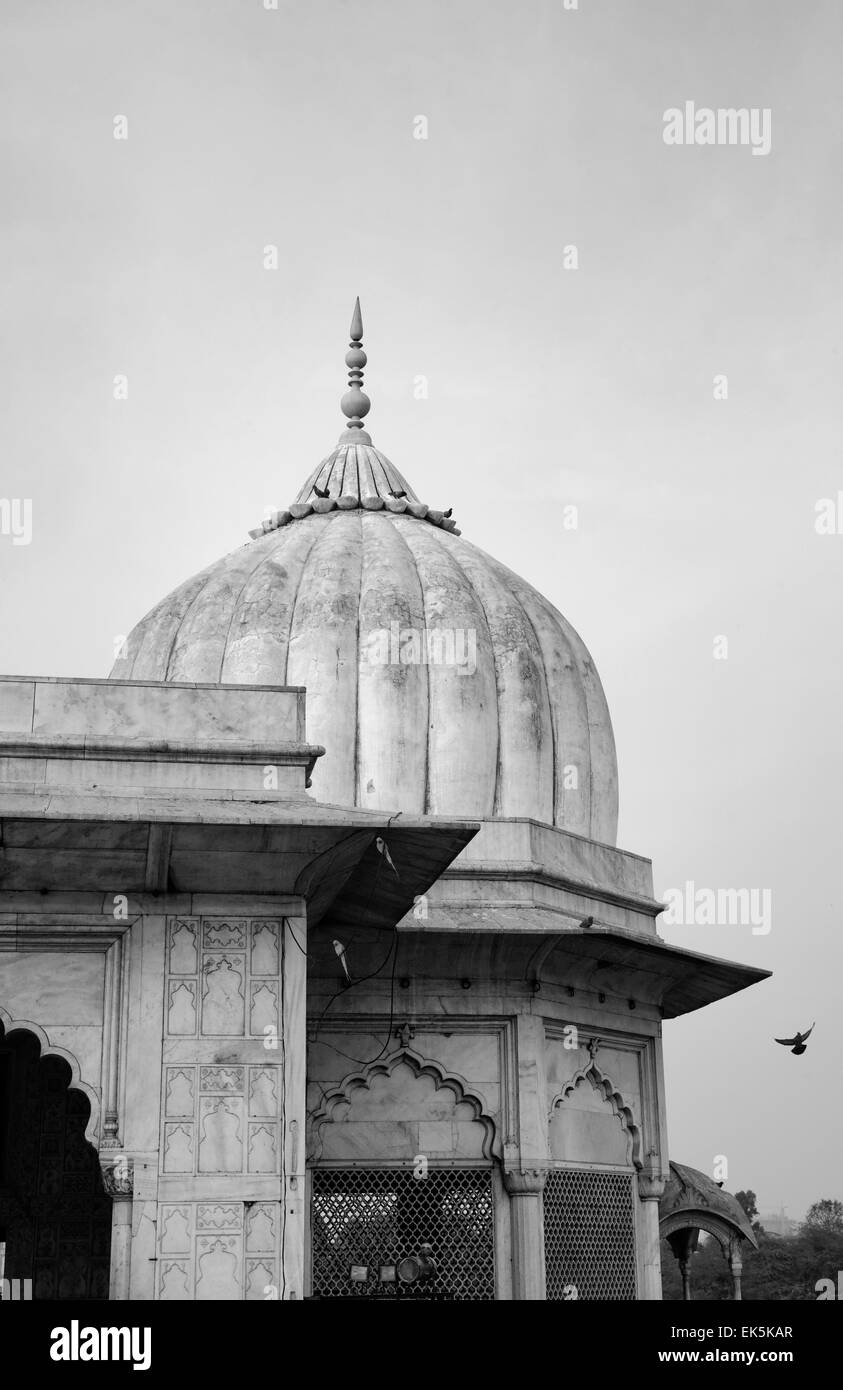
point(55, 1217)
point(693, 1202)
point(591, 1123)
point(402, 1162)
point(395, 1109)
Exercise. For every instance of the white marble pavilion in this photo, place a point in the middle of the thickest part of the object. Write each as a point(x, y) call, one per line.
point(321, 973)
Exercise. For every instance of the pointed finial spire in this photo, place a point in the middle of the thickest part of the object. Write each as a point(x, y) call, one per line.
point(355, 404)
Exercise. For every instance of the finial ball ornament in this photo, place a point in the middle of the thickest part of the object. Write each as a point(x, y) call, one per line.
point(355, 404)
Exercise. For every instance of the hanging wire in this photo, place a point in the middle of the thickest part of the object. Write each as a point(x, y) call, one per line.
point(288, 924)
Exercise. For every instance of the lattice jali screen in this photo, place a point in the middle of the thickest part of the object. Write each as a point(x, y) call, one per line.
point(378, 1216)
point(589, 1234)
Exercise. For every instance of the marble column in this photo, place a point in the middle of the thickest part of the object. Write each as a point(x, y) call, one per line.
point(650, 1189)
point(736, 1265)
point(117, 1177)
point(525, 1187)
point(683, 1243)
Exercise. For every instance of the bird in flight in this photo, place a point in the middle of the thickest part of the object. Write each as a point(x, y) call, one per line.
point(797, 1044)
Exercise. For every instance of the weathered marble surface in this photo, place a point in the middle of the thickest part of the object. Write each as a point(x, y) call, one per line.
point(150, 710)
point(521, 727)
point(518, 844)
point(127, 775)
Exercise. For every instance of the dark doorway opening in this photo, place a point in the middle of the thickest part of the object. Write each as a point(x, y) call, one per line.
point(55, 1217)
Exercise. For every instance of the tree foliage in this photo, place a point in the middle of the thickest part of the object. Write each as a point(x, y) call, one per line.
point(825, 1215)
point(749, 1203)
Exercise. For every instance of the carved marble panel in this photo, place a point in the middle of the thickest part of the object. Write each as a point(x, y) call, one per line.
point(183, 951)
point(232, 980)
point(219, 1267)
point(221, 1135)
point(179, 1091)
point(261, 1233)
point(181, 1008)
point(263, 1148)
point(261, 1279)
point(264, 1012)
point(178, 1148)
point(175, 1230)
point(264, 1083)
point(175, 1280)
point(219, 1216)
point(216, 1102)
point(225, 1079)
point(264, 957)
point(224, 996)
point(219, 1250)
point(223, 935)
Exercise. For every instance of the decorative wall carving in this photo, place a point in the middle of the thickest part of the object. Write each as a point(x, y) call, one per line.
point(178, 1148)
point(264, 960)
point(264, 1006)
point(224, 935)
point(220, 1136)
point(218, 1268)
point(418, 1123)
point(221, 1079)
point(223, 996)
point(263, 1156)
point(219, 1250)
point(263, 1090)
point(229, 986)
point(183, 958)
point(591, 1075)
point(175, 1230)
point(181, 1008)
point(221, 1111)
point(117, 1174)
point(222, 1119)
point(524, 1182)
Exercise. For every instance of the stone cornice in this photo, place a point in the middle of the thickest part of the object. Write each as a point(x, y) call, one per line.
point(117, 748)
point(535, 873)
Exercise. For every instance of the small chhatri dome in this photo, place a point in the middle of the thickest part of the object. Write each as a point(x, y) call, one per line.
point(438, 681)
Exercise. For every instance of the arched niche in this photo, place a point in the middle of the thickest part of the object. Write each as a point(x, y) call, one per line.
point(398, 1108)
point(590, 1124)
point(55, 1217)
point(9, 1025)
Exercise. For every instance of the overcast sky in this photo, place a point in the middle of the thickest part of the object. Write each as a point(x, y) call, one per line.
point(548, 386)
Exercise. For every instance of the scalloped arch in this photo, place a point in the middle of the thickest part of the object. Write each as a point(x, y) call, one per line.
point(421, 1066)
point(695, 1218)
point(48, 1049)
point(604, 1084)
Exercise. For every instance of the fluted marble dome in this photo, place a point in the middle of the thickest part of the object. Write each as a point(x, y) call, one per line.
point(438, 681)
